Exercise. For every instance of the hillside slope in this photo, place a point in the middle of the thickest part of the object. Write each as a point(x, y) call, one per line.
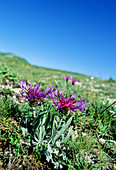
point(40, 74)
point(31, 72)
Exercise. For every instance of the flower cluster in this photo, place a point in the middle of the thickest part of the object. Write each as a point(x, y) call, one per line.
point(60, 102)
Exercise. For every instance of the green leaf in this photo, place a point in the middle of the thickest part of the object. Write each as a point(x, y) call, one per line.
point(64, 127)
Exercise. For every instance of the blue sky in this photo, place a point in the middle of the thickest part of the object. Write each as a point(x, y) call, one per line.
point(71, 35)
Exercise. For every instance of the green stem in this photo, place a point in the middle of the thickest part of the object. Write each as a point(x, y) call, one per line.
point(108, 107)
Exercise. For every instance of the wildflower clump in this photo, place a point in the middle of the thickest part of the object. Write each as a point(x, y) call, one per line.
point(60, 102)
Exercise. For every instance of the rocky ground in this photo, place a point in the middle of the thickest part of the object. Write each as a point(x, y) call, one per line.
point(27, 162)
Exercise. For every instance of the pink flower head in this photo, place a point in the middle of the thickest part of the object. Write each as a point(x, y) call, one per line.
point(73, 81)
point(64, 103)
point(34, 93)
point(67, 78)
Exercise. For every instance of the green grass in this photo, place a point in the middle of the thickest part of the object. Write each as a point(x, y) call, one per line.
point(92, 143)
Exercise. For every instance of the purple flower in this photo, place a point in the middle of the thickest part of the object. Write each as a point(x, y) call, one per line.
point(64, 103)
point(34, 93)
point(67, 78)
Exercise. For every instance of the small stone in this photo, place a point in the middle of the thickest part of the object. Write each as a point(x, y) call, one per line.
point(102, 141)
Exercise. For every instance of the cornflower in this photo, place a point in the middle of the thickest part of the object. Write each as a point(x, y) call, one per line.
point(67, 78)
point(34, 93)
point(64, 103)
